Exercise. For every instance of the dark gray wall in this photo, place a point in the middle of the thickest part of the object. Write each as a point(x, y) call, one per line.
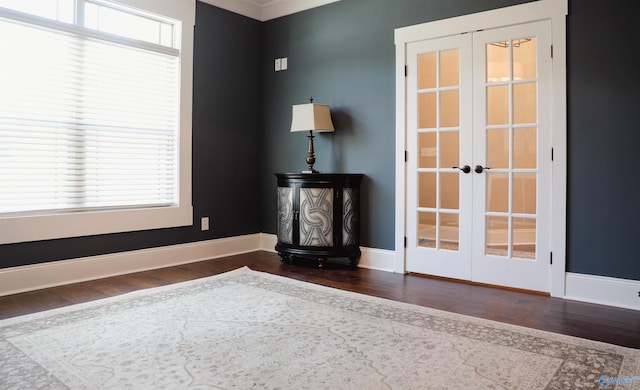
point(342, 54)
point(226, 125)
point(604, 139)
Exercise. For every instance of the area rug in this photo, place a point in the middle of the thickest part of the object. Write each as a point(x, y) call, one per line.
point(250, 330)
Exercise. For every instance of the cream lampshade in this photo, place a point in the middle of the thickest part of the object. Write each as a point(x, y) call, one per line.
point(311, 117)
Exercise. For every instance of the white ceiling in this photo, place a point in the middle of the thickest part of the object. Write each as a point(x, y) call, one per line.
point(267, 9)
point(262, 2)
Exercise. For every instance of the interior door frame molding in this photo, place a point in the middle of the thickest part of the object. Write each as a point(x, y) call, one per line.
point(555, 11)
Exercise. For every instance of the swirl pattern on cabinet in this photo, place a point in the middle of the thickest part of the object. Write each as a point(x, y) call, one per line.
point(316, 217)
point(349, 216)
point(285, 219)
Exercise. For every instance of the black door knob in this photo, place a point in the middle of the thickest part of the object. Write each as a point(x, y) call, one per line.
point(480, 168)
point(465, 169)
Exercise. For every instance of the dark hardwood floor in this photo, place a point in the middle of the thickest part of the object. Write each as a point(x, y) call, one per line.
point(596, 322)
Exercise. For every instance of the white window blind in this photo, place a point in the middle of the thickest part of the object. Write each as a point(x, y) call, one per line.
point(87, 122)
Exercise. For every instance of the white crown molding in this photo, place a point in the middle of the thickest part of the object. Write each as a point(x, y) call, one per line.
point(268, 11)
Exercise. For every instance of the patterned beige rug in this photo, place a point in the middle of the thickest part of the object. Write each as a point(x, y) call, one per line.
point(245, 329)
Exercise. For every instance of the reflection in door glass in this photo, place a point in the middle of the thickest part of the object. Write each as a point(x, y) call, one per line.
point(524, 103)
point(525, 148)
point(498, 148)
point(428, 149)
point(450, 108)
point(449, 231)
point(524, 238)
point(497, 236)
point(498, 105)
point(497, 62)
point(427, 229)
point(450, 190)
point(427, 70)
point(427, 189)
point(497, 192)
point(524, 58)
point(427, 110)
point(449, 68)
point(449, 148)
point(524, 193)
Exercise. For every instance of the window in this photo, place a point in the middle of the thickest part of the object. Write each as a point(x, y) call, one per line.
point(95, 111)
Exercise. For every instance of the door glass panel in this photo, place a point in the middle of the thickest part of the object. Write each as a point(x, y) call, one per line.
point(427, 70)
point(524, 193)
point(497, 236)
point(510, 147)
point(427, 229)
point(524, 103)
point(427, 110)
point(450, 108)
point(449, 149)
point(497, 62)
point(439, 148)
point(449, 68)
point(498, 148)
point(524, 58)
point(497, 192)
point(427, 189)
point(449, 190)
point(428, 150)
point(498, 105)
point(449, 231)
point(524, 238)
point(525, 148)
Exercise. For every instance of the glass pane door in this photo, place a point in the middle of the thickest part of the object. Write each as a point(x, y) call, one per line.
point(512, 156)
point(439, 142)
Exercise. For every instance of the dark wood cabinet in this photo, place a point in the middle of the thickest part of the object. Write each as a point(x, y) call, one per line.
point(318, 216)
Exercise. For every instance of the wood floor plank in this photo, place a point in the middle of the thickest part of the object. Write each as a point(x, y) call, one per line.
point(596, 322)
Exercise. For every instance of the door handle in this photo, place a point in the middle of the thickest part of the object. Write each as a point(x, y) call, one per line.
point(480, 168)
point(465, 169)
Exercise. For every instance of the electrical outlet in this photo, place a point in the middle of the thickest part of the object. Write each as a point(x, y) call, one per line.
point(280, 64)
point(204, 223)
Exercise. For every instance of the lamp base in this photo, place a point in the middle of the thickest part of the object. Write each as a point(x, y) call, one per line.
point(311, 158)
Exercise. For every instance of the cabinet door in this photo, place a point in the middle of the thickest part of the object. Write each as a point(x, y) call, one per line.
point(286, 215)
point(316, 217)
point(350, 216)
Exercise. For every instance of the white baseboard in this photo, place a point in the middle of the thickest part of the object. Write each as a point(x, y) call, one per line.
point(603, 290)
point(38, 276)
point(268, 242)
point(587, 288)
point(34, 277)
point(378, 259)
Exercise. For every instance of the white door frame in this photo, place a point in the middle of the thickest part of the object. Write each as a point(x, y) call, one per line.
point(553, 10)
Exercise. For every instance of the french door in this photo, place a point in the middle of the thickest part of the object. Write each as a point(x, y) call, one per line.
point(479, 156)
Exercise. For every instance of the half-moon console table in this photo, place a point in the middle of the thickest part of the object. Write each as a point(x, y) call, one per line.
point(318, 216)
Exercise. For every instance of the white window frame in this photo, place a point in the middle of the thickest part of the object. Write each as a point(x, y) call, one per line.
point(66, 225)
